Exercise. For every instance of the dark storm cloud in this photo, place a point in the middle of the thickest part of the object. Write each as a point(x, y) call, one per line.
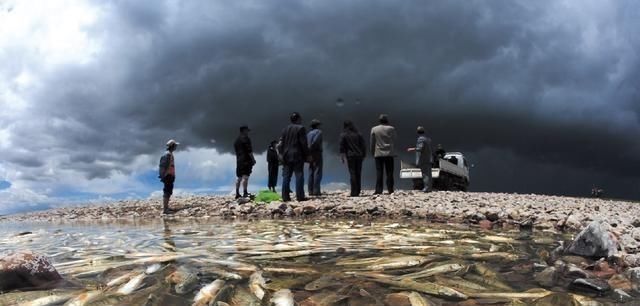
point(536, 83)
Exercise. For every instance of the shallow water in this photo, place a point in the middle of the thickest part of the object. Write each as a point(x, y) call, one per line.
point(332, 262)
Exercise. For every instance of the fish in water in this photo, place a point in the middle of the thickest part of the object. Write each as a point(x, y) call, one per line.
point(432, 271)
point(153, 268)
point(55, 299)
point(121, 279)
point(208, 293)
point(184, 279)
point(324, 298)
point(84, 298)
point(242, 297)
point(424, 287)
point(321, 283)
point(133, 284)
point(398, 262)
point(416, 299)
point(256, 283)
point(282, 297)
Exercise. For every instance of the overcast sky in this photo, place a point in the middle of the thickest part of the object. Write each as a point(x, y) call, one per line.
point(542, 96)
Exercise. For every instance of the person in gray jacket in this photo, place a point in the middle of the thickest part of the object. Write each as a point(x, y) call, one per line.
point(383, 137)
point(424, 157)
point(314, 140)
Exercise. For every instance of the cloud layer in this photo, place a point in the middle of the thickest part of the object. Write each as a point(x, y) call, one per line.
point(91, 90)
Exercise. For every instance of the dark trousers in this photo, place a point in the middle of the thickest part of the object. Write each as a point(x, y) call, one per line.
point(287, 171)
point(426, 176)
point(273, 175)
point(315, 176)
point(168, 185)
point(384, 164)
point(355, 174)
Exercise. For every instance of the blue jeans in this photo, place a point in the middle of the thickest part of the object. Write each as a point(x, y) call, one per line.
point(315, 176)
point(287, 171)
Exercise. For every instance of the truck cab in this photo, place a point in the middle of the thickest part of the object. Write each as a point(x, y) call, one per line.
point(448, 173)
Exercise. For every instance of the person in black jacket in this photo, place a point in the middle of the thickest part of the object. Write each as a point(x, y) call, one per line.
point(294, 152)
point(353, 151)
point(244, 161)
point(272, 166)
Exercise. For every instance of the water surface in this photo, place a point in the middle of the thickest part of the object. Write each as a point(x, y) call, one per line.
point(338, 262)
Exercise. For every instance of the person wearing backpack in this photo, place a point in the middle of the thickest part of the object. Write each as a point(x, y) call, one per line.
point(167, 174)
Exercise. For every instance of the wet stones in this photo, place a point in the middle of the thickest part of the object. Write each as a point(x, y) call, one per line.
point(594, 241)
point(621, 296)
point(24, 270)
point(597, 286)
point(547, 278)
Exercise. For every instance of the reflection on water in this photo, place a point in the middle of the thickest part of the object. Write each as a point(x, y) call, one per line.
point(312, 262)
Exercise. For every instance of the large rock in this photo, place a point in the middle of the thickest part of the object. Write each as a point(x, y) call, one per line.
point(547, 278)
point(24, 270)
point(594, 241)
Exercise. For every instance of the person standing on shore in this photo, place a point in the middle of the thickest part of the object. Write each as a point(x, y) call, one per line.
point(438, 155)
point(424, 157)
point(167, 174)
point(294, 152)
point(244, 161)
point(273, 162)
point(353, 150)
point(383, 137)
point(314, 140)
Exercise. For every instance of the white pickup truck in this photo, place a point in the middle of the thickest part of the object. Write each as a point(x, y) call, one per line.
point(450, 173)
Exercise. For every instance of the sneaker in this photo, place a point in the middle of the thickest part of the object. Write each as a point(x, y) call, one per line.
point(238, 196)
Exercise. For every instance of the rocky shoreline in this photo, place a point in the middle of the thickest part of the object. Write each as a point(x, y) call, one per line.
point(603, 258)
point(486, 209)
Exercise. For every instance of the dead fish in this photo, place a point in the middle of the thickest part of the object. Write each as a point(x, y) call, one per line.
point(416, 299)
point(324, 298)
point(84, 298)
point(321, 283)
point(234, 265)
point(185, 280)
point(499, 239)
point(282, 297)
point(223, 274)
point(459, 283)
point(162, 259)
point(290, 254)
point(208, 293)
point(55, 299)
point(494, 256)
point(133, 284)
point(432, 271)
point(121, 279)
point(529, 294)
point(424, 287)
point(256, 283)
point(244, 298)
point(488, 276)
point(290, 270)
point(153, 268)
point(398, 262)
point(220, 303)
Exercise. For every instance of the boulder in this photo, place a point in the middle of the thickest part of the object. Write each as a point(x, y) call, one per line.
point(594, 241)
point(597, 286)
point(629, 244)
point(547, 278)
point(619, 281)
point(621, 296)
point(25, 270)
